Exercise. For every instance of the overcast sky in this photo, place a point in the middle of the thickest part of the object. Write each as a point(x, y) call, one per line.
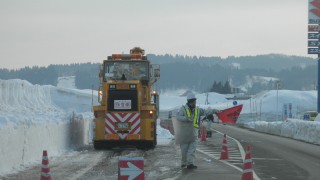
point(43, 32)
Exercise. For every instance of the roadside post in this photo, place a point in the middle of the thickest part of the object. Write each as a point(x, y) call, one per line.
point(314, 36)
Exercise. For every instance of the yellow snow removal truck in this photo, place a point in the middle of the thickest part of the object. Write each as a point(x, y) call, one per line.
point(129, 106)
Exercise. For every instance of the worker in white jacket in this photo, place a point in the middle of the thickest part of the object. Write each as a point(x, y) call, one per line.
point(189, 118)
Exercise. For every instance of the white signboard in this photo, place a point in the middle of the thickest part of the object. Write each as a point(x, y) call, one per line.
point(122, 104)
point(314, 12)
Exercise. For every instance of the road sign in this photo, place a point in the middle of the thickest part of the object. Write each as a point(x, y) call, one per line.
point(314, 12)
point(313, 43)
point(313, 51)
point(313, 35)
point(313, 28)
point(235, 103)
point(131, 168)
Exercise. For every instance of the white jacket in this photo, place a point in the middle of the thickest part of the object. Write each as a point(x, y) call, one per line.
point(184, 130)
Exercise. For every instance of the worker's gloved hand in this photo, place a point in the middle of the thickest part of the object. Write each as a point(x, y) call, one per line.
point(218, 111)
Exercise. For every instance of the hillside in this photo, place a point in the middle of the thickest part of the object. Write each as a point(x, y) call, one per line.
point(197, 73)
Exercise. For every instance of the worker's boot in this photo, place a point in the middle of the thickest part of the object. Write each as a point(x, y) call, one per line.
point(191, 166)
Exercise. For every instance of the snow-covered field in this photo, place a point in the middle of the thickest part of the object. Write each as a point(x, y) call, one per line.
point(34, 118)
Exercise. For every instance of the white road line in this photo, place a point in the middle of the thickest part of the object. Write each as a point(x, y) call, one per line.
point(268, 159)
point(242, 153)
point(225, 162)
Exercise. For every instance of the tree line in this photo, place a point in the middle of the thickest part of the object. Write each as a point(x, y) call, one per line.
point(86, 74)
point(221, 88)
point(202, 74)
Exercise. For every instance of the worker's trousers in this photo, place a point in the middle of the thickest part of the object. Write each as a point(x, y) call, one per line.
point(188, 152)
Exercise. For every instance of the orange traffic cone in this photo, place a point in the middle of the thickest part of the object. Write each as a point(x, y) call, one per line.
point(247, 166)
point(224, 150)
point(203, 134)
point(45, 170)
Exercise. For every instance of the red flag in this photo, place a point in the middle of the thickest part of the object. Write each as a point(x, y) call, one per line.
point(230, 115)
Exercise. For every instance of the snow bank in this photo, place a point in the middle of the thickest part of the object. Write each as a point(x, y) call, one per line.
point(34, 118)
point(27, 103)
point(163, 135)
point(22, 145)
point(307, 131)
point(261, 114)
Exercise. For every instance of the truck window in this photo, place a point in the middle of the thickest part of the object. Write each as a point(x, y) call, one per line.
point(128, 70)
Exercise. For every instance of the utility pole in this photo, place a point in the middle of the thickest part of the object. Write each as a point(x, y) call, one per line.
point(207, 101)
point(277, 110)
point(314, 37)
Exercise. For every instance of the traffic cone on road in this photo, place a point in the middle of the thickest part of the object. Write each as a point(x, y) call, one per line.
point(45, 170)
point(247, 165)
point(203, 134)
point(224, 150)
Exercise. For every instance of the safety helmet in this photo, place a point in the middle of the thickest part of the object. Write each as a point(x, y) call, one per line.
point(191, 96)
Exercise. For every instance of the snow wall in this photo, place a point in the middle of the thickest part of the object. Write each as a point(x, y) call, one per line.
point(35, 118)
point(22, 145)
point(307, 131)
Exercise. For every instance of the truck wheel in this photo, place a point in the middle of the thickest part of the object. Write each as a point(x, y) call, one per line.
point(97, 145)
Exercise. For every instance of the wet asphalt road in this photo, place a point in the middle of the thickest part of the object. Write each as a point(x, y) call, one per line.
point(277, 157)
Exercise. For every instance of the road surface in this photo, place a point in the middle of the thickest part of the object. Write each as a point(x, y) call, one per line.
point(277, 157)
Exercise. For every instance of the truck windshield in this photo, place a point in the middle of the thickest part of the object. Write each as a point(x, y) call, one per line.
point(126, 71)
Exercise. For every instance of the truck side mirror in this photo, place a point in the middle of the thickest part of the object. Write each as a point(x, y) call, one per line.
point(157, 73)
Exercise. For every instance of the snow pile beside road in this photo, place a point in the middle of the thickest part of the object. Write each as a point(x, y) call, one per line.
point(294, 128)
point(27, 103)
point(34, 118)
point(163, 135)
point(307, 131)
point(23, 144)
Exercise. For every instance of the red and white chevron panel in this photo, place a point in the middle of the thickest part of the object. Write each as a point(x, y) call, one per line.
point(132, 118)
